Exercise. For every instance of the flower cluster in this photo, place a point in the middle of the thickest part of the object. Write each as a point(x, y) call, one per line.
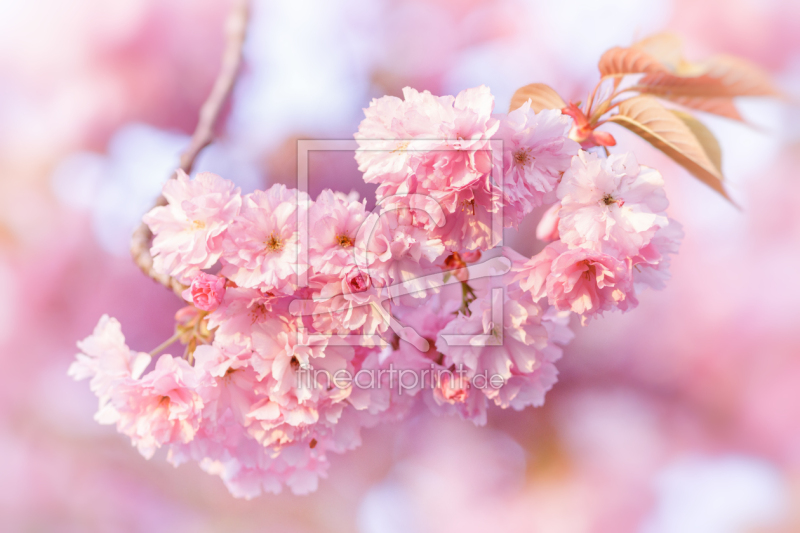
point(610, 234)
point(309, 319)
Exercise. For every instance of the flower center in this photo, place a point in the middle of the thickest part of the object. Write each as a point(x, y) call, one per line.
point(228, 373)
point(258, 312)
point(590, 271)
point(273, 244)
point(401, 147)
point(523, 156)
point(468, 206)
point(198, 224)
point(344, 241)
point(608, 199)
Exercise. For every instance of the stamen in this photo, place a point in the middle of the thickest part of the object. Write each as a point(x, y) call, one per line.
point(590, 271)
point(273, 244)
point(523, 156)
point(258, 312)
point(401, 147)
point(344, 241)
point(469, 204)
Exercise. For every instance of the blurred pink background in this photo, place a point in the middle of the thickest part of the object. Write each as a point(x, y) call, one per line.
point(683, 416)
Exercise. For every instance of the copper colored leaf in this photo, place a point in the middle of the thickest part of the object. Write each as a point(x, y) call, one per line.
point(668, 75)
point(720, 77)
point(629, 61)
point(723, 107)
point(704, 136)
point(541, 96)
point(662, 128)
point(740, 77)
point(664, 47)
point(667, 85)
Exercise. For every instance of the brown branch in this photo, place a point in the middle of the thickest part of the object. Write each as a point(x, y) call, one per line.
point(235, 31)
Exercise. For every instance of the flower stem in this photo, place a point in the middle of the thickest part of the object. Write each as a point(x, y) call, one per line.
point(236, 28)
point(467, 297)
point(164, 345)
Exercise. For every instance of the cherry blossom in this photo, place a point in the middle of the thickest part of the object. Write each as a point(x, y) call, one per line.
point(260, 249)
point(160, 408)
point(206, 291)
point(189, 229)
point(610, 203)
point(589, 282)
point(107, 360)
point(536, 152)
point(334, 222)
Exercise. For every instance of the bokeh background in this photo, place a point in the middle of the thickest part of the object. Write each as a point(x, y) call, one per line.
point(683, 416)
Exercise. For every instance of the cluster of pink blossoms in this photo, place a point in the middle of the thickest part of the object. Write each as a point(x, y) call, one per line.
point(310, 319)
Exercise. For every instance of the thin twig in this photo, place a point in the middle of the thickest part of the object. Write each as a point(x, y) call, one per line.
point(164, 345)
point(235, 31)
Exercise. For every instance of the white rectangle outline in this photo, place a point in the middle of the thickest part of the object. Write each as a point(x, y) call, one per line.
point(305, 146)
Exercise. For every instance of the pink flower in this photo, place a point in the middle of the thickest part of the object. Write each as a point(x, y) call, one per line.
point(504, 339)
point(160, 408)
point(470, 225)
point(256, 440)
point(586, 281)
point(226, 449)
point(440, 140)
point(229, 385)
point(206, 291)
point(107, 360)
point(436, 147)
point(426, 319)
point(189, 229)
point(431, 315)
point(537, 150)
point(610, 203)
point(244, 317)
point(532, 274)
point(396, 254)
point(651, 264)
point(350, 305)
point(334, 221)
point(261, 246)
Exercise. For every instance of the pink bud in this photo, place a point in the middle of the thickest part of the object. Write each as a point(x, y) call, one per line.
point(455, 264)
point(357, 281)
point(471, 257)
point(207, 291)
point(453, 389)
